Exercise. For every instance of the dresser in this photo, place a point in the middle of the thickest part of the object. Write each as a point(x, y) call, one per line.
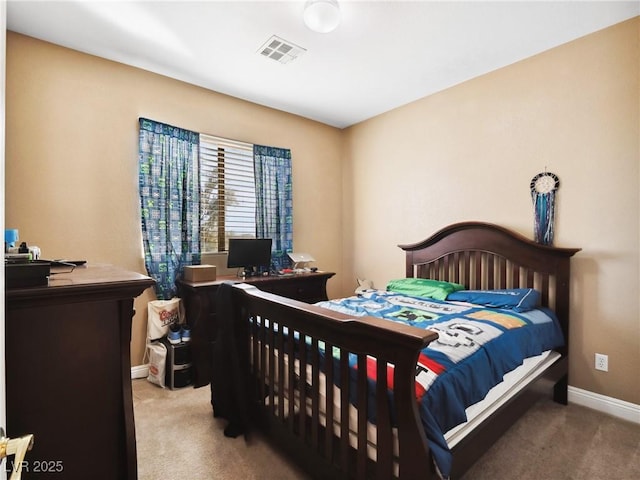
point(200, 307)
point(68, 373)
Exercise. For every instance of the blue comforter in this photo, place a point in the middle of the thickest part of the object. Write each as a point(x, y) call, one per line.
point(477, 346)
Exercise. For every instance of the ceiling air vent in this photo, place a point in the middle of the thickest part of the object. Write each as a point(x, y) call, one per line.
point(280, 50)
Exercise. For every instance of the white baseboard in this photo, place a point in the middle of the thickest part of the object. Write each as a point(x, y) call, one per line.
point(612, 406)
point(139, 371)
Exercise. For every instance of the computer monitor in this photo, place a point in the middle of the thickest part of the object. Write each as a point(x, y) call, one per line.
point(251, 254)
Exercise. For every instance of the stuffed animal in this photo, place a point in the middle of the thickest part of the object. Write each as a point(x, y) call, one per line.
point(363, 285)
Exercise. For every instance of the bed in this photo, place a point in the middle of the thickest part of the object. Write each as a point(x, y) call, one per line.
point(339, 392)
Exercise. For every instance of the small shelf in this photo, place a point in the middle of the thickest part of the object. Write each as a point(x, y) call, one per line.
point(178, 365)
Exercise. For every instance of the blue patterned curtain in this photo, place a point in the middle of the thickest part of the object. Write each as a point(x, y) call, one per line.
point(274, 208)
point(169, 202)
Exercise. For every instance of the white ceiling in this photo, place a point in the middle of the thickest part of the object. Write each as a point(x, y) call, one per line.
point(382, 55)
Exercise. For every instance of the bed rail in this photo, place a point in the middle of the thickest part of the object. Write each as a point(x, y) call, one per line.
point(304, 430)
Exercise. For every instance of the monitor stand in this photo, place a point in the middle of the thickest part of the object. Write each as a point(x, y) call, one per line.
point(250, 272)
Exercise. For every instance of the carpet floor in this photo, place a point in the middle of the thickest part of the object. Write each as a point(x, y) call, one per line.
point(178, 437)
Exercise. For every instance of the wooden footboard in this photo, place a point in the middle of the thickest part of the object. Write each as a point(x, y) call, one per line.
point(299, 331)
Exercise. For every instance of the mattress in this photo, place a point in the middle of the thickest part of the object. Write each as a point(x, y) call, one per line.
point(513, 382)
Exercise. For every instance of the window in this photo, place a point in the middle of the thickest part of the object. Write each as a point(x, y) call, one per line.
point(197, 191)
point(227, 192)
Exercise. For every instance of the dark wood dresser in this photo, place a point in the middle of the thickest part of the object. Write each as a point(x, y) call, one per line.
point(68, 373)
point(200, 308)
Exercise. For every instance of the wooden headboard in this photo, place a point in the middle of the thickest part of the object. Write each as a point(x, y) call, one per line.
point(484, 256)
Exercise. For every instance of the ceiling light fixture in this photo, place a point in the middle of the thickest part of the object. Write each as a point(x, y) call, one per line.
point(322, 16)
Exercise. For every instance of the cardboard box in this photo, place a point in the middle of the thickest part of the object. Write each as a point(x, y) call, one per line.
point(200, 273)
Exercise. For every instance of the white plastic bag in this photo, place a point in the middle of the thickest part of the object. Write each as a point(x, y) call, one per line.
point(163, 313)
point(157, 363)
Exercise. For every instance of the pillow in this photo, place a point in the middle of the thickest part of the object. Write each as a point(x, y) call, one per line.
point(423, 287)
point(517, 299)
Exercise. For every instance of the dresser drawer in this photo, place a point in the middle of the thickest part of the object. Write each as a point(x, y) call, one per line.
point(308, 290)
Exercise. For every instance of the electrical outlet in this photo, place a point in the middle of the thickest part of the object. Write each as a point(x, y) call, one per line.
point(602, 362)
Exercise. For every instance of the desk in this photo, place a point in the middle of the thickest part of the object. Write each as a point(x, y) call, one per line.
point(200, 308)
point(68, 373)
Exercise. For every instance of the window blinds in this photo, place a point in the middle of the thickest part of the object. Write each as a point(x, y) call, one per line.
point(227, 192)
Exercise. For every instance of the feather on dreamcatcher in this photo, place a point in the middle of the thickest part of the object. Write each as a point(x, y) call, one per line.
point(543, 193)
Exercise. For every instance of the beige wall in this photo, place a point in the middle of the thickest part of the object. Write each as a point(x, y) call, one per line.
point(469, 153)
point(71, 157)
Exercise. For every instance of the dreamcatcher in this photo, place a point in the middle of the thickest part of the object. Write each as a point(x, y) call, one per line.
point(543, 193)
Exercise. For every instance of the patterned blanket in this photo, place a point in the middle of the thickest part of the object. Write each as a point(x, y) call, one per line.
point(476, 347)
